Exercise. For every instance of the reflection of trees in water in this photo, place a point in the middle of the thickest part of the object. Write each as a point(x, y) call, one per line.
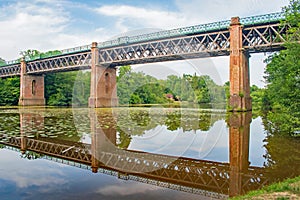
point(173, 120)
point(136, 122)
point(124, 139)
point(132, 122)
point(63, 124)
point(282, 123)
point(282, 149)
point(139, 117)
point(282, 153)
point(10, 123)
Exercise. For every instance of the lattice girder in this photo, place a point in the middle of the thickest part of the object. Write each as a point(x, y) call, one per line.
point(10, 70)
point(201, 45)
point(264, 38)
point(61, 63)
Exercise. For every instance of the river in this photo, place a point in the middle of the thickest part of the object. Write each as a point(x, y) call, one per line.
point(139, 153)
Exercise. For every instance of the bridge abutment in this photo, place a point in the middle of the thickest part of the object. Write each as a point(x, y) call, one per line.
point(103, 91)
point(240, 99)
point(31, 88)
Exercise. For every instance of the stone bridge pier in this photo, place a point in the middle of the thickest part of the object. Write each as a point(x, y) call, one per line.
point(240, 99)
point(103, 83)
point(31, 88)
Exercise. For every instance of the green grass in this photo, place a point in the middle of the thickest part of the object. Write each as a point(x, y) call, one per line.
point(289, 186)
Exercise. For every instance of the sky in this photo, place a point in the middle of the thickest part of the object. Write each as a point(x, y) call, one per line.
point(59, 24)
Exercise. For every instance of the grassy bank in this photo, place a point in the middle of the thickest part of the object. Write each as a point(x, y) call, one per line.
point(288, 189)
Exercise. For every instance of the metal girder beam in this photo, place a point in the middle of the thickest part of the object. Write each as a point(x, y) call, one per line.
point(11, 70)
point(264, 38)
point(187, 47)
point(70, 62)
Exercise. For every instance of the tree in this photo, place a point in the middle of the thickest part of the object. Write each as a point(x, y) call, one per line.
point(9, 91)
point(283, 77)
point(138, 88)
point(292, 19)
point(63, 89)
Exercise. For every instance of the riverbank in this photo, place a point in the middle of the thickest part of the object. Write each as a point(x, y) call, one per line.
point(288, 189)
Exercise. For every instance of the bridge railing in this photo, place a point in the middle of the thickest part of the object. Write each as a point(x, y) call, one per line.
point(11, 62)
point(259, 19)
point(76, 49)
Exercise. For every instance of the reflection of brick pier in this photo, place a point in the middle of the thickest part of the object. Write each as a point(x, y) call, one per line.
point(239, 132)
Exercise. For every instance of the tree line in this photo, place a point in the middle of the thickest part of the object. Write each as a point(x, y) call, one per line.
point(73, 88)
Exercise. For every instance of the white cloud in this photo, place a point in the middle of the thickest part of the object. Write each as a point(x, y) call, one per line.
point(24, 174)
point(191, 13)
point(126, 189)
point(39, 25)
point(29, 26)
point(216, 10)
point(143, 17)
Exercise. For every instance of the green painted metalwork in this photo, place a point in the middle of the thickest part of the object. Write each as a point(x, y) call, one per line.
point(261, 19)
point(202, 28)
point(12, 62)
point(216, 26)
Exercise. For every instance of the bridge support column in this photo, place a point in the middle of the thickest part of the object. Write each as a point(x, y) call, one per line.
point(240, 99)
point(103, 83)
point(31, 88)
point(239, 130)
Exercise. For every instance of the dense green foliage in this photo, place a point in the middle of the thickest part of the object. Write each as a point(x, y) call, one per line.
point(257, 95)
point(138, 88)
point(282, 94)
point(65, 89)
point(9, 91)
point(73, 88)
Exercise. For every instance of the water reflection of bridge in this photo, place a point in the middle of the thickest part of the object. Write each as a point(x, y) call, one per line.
point(185, 174)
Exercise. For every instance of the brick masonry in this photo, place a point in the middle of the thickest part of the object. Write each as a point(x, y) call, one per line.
point(31, 88)
point(239, 70)
point(103, 83)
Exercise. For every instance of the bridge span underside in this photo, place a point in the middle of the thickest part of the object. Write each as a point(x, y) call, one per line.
point(237, 41)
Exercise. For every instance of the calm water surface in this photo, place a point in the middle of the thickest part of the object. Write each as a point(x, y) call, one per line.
point(138, 153)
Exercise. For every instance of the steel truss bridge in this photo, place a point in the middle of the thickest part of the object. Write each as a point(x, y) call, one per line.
point(260, 34)
point(202, 177)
